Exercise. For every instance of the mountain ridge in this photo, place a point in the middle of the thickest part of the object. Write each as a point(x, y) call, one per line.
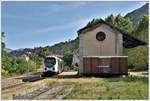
point(136, 14)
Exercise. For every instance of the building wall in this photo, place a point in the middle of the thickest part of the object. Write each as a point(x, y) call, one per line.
point(113, 65)
point(109, 47)
point(119, 44)
point(80, 53)
point(90, 46)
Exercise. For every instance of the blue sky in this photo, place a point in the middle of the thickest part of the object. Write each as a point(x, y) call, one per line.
point(34, 24)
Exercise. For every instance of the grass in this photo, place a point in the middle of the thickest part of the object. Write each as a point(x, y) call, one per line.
point(130, 87)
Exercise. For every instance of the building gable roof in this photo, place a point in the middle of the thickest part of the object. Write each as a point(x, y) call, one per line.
point(128, 40)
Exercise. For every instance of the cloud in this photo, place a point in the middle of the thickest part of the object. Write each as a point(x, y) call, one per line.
point(35, 9)
point(75, 24)
point(64, 6)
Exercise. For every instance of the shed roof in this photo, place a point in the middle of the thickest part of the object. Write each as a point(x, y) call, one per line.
point(128, 40)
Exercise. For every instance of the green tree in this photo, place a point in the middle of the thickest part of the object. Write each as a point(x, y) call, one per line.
point(141, 29)
point(5, 58)
point(110, 19)
point(119, 21)
point(138, 57)
point(24, 66)
point(68, 58)
point(10, 65)
point(93, 22)
point(123, 23)
point(14, 66)
point(39, 61)
point(44, 52)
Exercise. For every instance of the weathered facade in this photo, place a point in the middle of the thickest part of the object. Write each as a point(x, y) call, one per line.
point(101, 49)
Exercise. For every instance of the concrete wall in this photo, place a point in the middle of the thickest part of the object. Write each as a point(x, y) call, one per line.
point(80, 53)
point(90, 46)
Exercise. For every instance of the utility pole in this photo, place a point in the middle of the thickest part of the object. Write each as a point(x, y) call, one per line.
point(35, 61)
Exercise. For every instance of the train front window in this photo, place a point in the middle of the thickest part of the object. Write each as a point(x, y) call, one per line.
point(50, 62)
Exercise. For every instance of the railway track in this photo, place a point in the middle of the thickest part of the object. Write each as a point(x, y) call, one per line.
point(12, 86)
point(30, 78)
point(55, 92)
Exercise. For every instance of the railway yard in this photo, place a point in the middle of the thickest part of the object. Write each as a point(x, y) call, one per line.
point(68, 85)
point(34, 86)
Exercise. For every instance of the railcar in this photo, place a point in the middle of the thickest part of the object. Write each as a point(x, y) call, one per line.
point(53, 64)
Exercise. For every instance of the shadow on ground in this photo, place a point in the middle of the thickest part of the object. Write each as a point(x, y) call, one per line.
point(129, 78)
point(66, 76)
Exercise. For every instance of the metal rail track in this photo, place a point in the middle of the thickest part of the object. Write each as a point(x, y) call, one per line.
point(43, 93)
point(12, 86)
point(25, 80)
point(31, 78)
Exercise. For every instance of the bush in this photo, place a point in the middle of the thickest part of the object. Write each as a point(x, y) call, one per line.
point(75, 67)
point(4, 72)
point(137, 57)
point(21, 66)
point(32, 66)
point(25, 66)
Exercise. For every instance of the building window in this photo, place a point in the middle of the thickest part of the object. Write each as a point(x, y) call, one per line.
point(100, 36)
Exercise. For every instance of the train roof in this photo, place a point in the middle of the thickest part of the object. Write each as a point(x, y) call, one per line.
point(54, 57)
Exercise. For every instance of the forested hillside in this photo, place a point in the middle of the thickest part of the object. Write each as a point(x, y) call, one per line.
point(138, 13)
point(62, 47)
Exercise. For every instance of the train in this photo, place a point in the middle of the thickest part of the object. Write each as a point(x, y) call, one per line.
point(53, 65)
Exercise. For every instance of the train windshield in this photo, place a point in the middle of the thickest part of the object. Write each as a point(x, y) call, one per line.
point(50, 62)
